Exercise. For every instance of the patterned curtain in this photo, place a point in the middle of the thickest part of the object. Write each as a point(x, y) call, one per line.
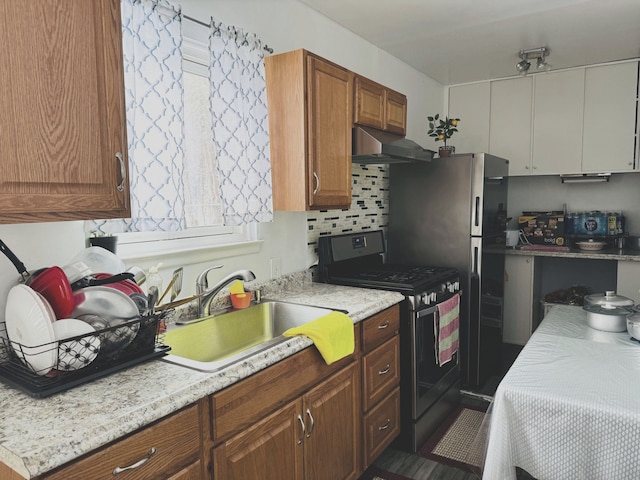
point(152, 45)
point(240, 124)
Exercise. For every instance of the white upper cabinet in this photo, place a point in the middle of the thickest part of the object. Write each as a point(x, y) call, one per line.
point(582, 120)
point(470, 103)
point(609, 118)
point(510, 130)
point(557, 122)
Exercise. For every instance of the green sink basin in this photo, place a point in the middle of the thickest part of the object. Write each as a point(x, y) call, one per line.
point(215, 342)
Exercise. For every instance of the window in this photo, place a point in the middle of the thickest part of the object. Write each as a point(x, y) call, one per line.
point(202, 195)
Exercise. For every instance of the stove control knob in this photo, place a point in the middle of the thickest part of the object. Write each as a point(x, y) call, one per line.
point(423, 299)
point(434, 297)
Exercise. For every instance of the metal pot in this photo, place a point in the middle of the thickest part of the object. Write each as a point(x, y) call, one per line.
point(608, 312)
point(633, 325)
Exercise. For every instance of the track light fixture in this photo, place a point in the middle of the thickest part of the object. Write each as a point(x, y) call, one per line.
point(538, 54)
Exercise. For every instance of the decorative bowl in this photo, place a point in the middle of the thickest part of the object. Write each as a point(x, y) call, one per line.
point(591, 245)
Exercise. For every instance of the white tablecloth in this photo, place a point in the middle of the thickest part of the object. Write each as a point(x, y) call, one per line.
point(569, 408)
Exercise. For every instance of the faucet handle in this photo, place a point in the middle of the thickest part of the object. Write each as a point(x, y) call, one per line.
point(201, 281)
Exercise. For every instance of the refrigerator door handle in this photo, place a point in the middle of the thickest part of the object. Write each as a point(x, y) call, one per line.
point(476, 255)
point(476, 212)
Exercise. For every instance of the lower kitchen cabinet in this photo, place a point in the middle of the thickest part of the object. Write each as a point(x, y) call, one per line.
point(380, 365)
point(312, 437)
point(518, 319)
point(170, 448)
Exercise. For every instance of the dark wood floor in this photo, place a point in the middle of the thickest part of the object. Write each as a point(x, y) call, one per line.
point(419, 468)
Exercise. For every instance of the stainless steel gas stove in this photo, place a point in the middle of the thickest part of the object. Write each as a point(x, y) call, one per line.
point(429, 391)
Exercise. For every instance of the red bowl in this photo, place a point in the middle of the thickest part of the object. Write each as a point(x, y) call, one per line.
point(126, 286)
point(54, 286)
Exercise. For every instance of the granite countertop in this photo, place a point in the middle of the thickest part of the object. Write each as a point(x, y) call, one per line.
point(37, 435)
point(612, 254)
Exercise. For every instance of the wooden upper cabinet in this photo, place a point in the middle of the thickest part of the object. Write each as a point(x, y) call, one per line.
point(310, 122)
point(63, 116)
point(379, 107)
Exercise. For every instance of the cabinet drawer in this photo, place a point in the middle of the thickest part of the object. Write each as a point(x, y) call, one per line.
point(176, 441)
point(380, 372)
point(380, 328)
point(381, 426)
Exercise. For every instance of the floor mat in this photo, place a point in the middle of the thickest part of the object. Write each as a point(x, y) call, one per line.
point(453, 442)
point(375, 473)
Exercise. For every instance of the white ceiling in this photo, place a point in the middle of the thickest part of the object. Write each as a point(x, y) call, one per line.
point(459, 41)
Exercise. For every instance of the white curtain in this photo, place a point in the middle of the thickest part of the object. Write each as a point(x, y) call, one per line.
point(152, 45)
point(240, 124)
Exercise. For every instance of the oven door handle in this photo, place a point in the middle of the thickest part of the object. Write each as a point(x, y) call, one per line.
point(431, 310)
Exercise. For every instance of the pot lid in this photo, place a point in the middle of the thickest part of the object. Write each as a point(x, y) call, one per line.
point(609, 300)
point(608, 310)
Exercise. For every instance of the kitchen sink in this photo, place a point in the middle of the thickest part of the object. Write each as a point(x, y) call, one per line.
point(219, 340)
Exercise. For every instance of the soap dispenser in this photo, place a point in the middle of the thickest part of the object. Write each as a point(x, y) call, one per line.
point(154, 279)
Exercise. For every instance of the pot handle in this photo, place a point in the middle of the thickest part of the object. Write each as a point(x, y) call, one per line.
point(22, 270)
point(94, 282)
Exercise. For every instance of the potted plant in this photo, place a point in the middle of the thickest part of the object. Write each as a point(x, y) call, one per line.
point(443, 130)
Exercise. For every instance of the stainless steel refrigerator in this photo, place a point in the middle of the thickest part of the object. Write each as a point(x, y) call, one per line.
point(449, 212)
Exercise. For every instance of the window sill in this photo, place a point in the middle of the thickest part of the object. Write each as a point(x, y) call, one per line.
point(178, 255)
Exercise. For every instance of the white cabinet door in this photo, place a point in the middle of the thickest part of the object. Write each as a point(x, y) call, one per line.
point(557, 124)
point(609, 118)
point(629, 280)
point(470, 103)
point(510, 124)
point(518, 299)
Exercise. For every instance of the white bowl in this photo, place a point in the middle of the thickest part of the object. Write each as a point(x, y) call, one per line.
point(79, 352)
point(591, 245)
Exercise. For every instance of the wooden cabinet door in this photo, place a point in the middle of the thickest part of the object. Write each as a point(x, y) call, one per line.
point(470, 103)
point(271, 450)
point(511, 114)
point(557, 125)
point(332, 416)
point(63, 116)
point(396, 112)
point(369, 103)
point(329, 96)
point(610, 93)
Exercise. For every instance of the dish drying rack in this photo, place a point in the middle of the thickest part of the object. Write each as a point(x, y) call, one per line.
point(146, 344)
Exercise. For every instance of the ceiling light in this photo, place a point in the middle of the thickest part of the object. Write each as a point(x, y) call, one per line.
point(538, 54)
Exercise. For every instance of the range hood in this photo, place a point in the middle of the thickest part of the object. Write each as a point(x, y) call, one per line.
point(371, 146)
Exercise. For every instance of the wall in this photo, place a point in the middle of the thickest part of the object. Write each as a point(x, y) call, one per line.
point(284, 25)
point(621, 193)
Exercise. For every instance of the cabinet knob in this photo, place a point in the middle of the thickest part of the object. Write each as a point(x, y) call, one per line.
point(317, 181)
point(384, 325)
point(385, 370)
point(526, 167)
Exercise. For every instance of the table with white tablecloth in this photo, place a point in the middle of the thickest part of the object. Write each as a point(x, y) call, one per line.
point(569, 407)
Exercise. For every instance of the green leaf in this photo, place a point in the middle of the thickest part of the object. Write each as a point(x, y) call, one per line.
point(430, 119)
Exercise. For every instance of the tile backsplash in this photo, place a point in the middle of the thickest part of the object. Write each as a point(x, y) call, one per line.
point(369, 208)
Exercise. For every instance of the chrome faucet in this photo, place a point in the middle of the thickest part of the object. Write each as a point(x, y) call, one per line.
point(207, 294)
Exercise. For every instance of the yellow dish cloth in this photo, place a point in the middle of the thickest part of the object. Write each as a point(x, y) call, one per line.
point(332, 335)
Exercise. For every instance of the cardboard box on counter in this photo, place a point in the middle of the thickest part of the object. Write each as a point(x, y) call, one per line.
point(543, 228)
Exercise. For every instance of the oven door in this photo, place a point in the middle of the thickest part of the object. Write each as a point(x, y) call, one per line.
point(429, 381)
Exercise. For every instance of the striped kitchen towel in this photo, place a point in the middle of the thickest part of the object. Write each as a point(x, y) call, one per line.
point(446, 329)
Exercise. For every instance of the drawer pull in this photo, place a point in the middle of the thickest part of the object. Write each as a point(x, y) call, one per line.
point(384, 325)
point(385, 371)
point(139, 463)
point(302, 429)
point(385, 426)
point(313, 424)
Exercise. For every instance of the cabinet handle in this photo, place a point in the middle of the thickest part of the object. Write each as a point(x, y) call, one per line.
point(384, 325)
point(385, 426)
point(385, 371)
point(139, 463)
point(313, 424)
point(317, 181)
point(301, 439)
point(123, 172)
